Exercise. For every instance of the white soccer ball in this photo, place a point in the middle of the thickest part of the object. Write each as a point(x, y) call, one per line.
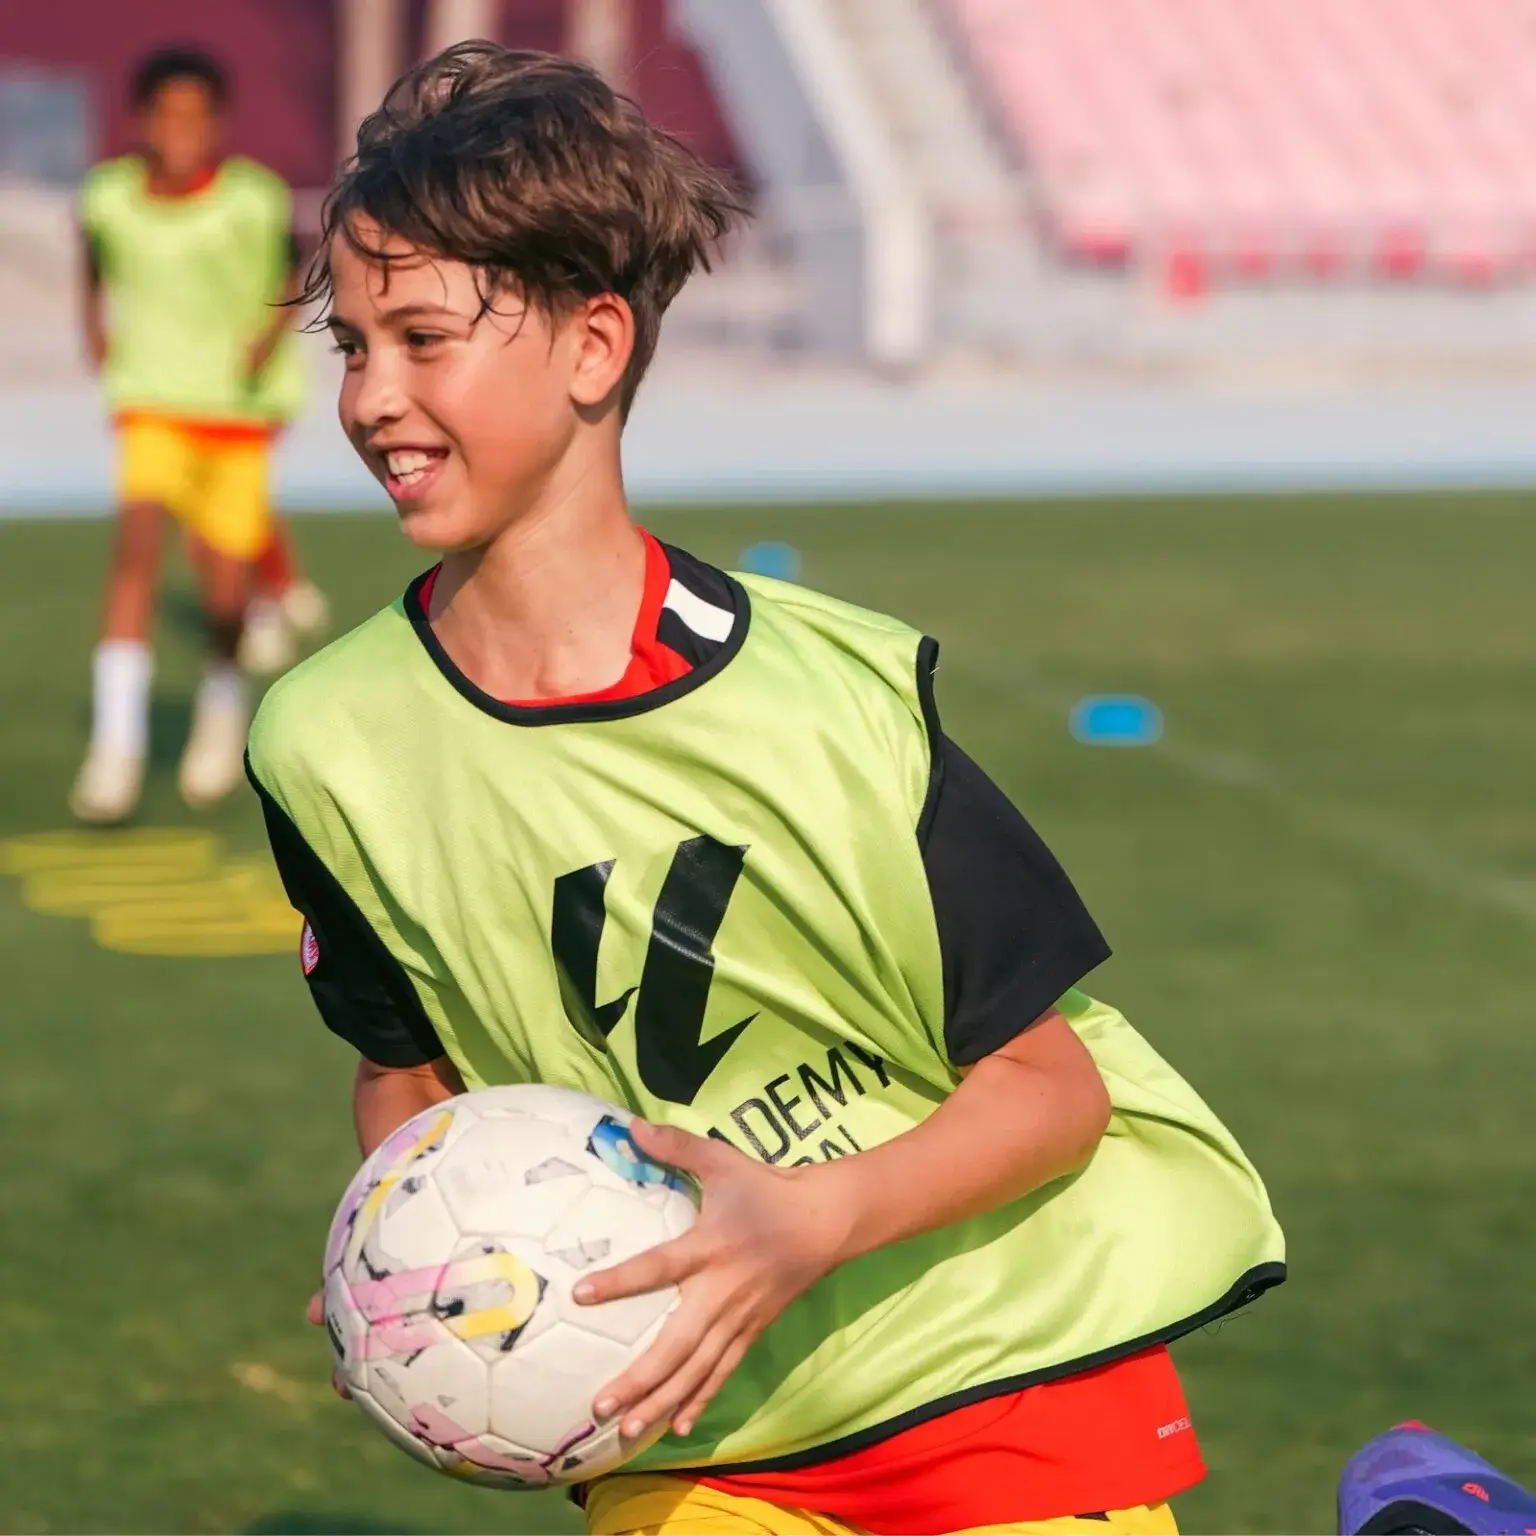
point(448, 1278)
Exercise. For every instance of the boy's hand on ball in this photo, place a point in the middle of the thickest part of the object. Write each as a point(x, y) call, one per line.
point(315, 1313)
point(764, 1236)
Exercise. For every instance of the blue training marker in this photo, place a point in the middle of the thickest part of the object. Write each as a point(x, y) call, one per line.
point(1115, 720)
point(771, 558)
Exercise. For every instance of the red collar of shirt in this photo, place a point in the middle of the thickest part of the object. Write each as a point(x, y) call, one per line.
point(203, 179)
point(651, 663)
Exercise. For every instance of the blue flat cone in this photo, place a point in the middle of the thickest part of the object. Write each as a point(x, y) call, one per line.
point(771, 558)
point(1115, 720)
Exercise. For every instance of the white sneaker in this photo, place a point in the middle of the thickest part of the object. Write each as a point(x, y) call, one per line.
point(305, 609)
point(266, 643)
point(213, 764)
point(107, 787)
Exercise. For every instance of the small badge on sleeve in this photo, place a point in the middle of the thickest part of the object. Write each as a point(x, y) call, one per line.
point(309, 950)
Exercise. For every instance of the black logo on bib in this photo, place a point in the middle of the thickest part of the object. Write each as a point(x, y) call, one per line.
point(679, 966)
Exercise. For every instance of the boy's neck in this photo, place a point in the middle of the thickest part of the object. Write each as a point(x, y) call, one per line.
point(546, 611)
point(162, 185)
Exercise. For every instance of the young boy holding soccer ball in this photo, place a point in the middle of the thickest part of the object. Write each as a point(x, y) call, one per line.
point(582, 809)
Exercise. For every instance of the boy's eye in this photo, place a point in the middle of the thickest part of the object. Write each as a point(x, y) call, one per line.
point(419, 341)
point(344, 346)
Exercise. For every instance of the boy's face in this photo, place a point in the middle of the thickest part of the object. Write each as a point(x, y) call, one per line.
point(465, 418)
point(181, 128)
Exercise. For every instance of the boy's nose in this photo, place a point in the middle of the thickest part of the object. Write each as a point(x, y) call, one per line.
point(377, 397)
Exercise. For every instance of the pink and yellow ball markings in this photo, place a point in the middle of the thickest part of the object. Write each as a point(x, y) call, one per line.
point(401, 1316)
point(364, 1199)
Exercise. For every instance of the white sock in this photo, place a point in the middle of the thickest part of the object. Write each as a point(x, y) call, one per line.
point(223, 687)
point(120, 674)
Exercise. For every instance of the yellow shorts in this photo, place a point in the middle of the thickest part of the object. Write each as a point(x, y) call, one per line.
point(650, 1504)
point(212, 480)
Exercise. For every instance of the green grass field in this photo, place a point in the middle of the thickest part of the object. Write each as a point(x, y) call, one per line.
point(1321, 887)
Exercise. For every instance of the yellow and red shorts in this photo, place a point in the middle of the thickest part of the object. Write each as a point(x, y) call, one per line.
point(213, 477)
point(653, 1504)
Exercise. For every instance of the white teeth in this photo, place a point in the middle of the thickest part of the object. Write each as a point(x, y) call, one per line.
point(407, 464)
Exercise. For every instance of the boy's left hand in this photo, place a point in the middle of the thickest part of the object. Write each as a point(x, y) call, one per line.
point(764, 1236)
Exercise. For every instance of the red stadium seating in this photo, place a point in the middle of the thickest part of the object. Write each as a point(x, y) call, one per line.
point(1243, 139)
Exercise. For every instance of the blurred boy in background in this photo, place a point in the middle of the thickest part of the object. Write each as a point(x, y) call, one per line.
point(189, 258)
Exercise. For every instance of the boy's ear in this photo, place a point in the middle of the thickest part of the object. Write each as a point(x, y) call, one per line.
point(604, 339)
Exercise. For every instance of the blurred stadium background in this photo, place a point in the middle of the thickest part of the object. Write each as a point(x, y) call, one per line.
point(1002, 245)
point(1017, 265)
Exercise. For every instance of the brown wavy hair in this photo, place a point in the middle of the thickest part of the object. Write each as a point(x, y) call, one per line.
point(533, 171)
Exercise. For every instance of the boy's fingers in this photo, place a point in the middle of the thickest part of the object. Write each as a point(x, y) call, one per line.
point(664, 1265)
point(670, 1144)
point(315, 1311)
point(688, 1415)
point(680, 1386)
point(674, 1346)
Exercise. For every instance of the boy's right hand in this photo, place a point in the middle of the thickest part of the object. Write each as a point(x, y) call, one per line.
point(315, 1313)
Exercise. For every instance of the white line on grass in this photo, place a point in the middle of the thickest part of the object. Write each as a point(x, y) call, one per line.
point(1386, 844)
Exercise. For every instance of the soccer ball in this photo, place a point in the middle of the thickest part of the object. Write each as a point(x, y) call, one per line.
point(448, 1278)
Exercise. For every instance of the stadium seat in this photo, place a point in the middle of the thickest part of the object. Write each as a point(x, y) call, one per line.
point(1318, 139)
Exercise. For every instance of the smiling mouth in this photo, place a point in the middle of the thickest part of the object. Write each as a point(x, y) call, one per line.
point(408, 471)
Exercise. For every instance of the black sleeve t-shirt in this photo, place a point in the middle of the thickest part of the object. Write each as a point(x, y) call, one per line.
point(1013, 933)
